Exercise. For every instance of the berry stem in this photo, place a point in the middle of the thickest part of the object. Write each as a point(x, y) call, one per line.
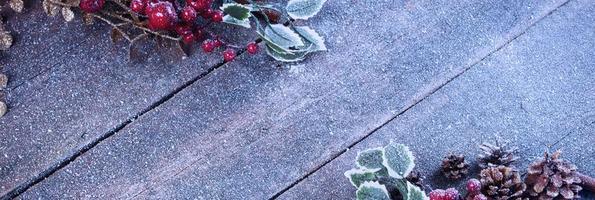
point(136, 25)
point(115, 26)
point(133, 14)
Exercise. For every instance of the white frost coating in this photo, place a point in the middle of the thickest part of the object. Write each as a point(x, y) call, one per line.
point(406, 153)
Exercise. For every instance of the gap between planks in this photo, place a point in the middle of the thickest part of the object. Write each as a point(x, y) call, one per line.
point(446, 80)
point(75, 153)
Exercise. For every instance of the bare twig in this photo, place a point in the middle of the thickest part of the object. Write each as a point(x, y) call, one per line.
point(137, 25)
point(132, 42)
point(132, 13)
point(114, 26)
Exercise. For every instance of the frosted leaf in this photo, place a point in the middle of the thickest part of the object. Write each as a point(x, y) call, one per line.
point(303, 9)
point(372, 191)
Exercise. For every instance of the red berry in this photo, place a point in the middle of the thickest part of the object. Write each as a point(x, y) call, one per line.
point(206, 13)
point(252, 48)
point(473, 186)
point(91, 6)
point(162, 16)
point(183, 29)
point(437, 194)
point(198, 33)
point(218, 43)
point(199, 5)
point(229, 55)
point(188, 38)
point(480, 197)
point(188, 14)
point(217, 16)
point(138, 6)
point(208, 46)
point(451, 194)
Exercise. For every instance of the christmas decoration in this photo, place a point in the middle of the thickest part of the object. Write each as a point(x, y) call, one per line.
point(502, 183)
point(381, 174)
point(552, 178)
point(415, 178)
point(496, 155)
point(185, 22)
point(448, 194)
point(454, 166)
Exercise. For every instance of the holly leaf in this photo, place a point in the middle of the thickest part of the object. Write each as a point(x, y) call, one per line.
point(284, 56)
point(372, 191)
point(398, 160)
point(359, 176)
point(283, 36)
point(234, 21)
point(311, 36)
point(370, 158)
point(415, 193)
point(235, 10)
point(303, 9)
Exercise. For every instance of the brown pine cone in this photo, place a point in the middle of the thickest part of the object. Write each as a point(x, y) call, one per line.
point(553, 178)
point(454, 166)
point(502, 183)
point(496, 155)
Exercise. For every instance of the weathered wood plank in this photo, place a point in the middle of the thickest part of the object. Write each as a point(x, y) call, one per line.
point(248, 130)
point(534, 91)
point(70, 85)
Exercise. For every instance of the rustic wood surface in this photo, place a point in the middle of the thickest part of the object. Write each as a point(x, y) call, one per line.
point(439, 76)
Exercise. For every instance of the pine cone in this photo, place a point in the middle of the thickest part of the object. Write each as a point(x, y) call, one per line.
point(415, 178)
point(496, 155)
point(502, 183)
point(454, 166)
point(552, 178)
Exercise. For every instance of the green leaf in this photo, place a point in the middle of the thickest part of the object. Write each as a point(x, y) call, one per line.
point(285, 57)
point(235, 10)
point(283, 36)
point(370, 158)
point(398, 160)
point(372, 191)
point(359, 176)
point(231, 20)
point(303, 9)
point(415, 193)
point(311, 36)
point(271, 44)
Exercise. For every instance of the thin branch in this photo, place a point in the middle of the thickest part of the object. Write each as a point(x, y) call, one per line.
point(132, 13)
point(136, 25)
point(114, 26)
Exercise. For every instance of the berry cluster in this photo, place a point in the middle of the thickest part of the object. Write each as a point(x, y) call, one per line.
point(187, 20)
point(474, 190)
point(448, 194)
